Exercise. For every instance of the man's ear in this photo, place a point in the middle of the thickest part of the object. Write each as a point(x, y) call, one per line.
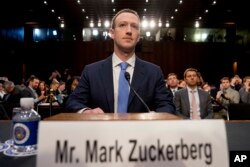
point(111, 32)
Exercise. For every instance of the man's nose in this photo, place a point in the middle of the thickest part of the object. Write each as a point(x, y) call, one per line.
point(129, 29)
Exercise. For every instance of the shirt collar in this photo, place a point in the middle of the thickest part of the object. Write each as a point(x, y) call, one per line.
point(116, 61)
point(173, 89)
point(189, 89)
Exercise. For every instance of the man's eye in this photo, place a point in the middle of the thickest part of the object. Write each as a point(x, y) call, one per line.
point(122, 25)
point(135, 27)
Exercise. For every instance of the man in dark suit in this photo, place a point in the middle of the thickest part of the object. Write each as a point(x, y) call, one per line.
point(172, 83)
point(97, 91)
point(192, 100)
point(30, 90)
point(12, 97)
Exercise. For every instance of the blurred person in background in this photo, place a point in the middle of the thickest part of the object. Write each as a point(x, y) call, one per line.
point(245, 90)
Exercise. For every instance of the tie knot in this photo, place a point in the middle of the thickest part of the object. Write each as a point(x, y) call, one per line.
point(124, 65)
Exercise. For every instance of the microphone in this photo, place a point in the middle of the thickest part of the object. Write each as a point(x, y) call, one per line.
point(127, 76)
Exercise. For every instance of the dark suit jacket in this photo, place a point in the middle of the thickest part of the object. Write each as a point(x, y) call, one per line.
point(183, 107)
point(169, 89)
point(27, 92)
point(11, 100)
point(95, 88)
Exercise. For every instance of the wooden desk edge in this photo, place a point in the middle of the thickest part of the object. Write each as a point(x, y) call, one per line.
point(112, 117)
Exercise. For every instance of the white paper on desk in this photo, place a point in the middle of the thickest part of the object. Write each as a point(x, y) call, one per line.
point(180, 143)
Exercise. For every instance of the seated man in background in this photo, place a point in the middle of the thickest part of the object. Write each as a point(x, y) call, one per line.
point(192, 102)
point(172, 82)
point(245, 90)
point(30, 90)
point(236, 82)
point(12, 97)
point(226, 96)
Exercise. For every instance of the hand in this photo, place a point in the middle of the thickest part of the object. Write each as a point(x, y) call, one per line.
point(218, 95)
point(42, 97)
point(42, 92)
point(93, 111)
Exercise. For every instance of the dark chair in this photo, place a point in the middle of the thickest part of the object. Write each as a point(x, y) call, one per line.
point(239, 111)
point(3, 113)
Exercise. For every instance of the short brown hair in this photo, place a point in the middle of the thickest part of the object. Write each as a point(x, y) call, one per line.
point(245, 78)
point(123, 11)
point(190, 69)
point(225, 78)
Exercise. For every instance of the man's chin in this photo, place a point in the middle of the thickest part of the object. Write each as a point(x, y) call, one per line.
point(128, 48)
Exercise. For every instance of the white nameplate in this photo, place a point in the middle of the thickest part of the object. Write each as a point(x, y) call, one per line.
point(133, 144)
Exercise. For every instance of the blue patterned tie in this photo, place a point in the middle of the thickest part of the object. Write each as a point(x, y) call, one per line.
point(123, 90)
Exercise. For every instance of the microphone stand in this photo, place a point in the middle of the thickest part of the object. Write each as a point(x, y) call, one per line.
point(127, 76)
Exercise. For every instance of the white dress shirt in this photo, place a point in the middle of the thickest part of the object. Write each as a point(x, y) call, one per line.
point(116, 72)
point(197, 99)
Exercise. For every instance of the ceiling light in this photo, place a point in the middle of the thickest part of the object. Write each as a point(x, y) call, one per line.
point(152, 24)
point(144, 23)
point(167, 24)
point(106, 24)
point(160, 24)
point(91, 24)
point(99, 24)
point(62, 25)
point(197, 24)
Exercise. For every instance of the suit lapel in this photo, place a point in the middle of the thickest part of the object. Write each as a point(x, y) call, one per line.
point(186, 100)
point(107, 81)
point(201, 99)
point(137, 79)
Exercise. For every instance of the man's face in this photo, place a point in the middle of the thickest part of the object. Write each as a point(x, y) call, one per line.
point(247, 83)
point(191, 78)
point(126, 32)
point(35, 83)
point(172, 81)
point(225, 84)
